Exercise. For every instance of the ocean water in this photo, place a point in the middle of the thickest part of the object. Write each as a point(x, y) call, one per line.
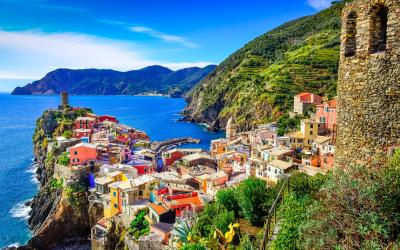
point(155, 115)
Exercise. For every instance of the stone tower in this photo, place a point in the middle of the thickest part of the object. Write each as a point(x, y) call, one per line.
point(369, 81)
point(64, 99)
point(230, 129)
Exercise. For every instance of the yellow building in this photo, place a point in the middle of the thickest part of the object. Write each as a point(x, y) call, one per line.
point(306, 136)
point(111, 202)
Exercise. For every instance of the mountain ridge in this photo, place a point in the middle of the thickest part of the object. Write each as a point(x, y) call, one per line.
point(151, 79)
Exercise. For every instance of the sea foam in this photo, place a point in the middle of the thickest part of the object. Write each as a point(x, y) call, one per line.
point(20, 210)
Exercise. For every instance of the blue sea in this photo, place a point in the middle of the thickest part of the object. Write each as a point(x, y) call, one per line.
point(156, 115)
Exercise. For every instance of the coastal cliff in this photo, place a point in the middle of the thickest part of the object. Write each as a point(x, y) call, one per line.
point(59, 218)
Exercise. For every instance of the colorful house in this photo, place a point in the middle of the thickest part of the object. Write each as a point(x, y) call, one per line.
point(79, 133)
point(326, 115)
point(158, 212)
point(325, 151)
point(144, 169)
point(198, 159)
point(218, 146)
point(85, 122)
point(303, 102)
point(113, 203)
point(82, 153)
point(305, 137)
point(275, 170)
point(211, 183)
point(276, 153)
point(175, 154)
point(180, 202)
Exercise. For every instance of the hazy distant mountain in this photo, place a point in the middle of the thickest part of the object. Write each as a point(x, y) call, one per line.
point(152, 79)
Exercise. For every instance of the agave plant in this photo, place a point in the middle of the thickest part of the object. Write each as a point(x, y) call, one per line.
point(182, 230)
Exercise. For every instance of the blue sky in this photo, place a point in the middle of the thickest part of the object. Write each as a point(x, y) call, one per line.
point(38, 36)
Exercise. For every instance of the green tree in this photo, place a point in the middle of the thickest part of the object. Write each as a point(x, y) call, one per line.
point(222, 220)
point(227, 197)
point(254, 199)
point(204, 223)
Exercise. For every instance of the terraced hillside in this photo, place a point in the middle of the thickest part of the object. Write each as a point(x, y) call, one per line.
point(257, 83)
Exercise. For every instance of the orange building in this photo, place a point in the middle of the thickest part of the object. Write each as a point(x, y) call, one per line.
point(218, 146)
point(82, 153)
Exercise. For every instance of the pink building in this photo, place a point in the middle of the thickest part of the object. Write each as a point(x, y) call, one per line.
point(304, 101)
point(326, 116)
point(82, 153)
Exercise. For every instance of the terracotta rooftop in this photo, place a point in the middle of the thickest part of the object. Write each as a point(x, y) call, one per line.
point(331, 104)
point(159, 209)
point(194, 201)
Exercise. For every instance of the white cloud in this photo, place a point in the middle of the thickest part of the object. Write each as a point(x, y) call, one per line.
point(34, 53)
point(9, 75)
point(319, 4)
point(165, 37)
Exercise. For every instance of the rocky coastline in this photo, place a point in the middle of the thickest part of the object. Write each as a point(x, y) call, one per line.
point(56, 220)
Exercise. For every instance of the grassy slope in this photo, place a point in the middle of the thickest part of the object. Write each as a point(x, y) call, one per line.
point(258, 82)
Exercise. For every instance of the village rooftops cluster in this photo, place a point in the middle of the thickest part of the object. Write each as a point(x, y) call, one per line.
point(127, 178)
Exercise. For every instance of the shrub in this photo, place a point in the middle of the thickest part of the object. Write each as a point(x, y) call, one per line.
point(56, 184)
point(63, 159)
point(68, 134)
point(139, 226)
point(360, 208)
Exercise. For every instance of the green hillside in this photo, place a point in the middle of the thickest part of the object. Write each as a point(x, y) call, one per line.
point(257, 83)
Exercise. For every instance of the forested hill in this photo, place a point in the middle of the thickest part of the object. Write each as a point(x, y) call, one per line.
point(257, 83)
point(152, 79)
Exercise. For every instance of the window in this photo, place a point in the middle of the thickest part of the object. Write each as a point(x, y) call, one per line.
point(350, 43)
point(326, 109)
point(76, 153)
point(310, 132)
point(115, 205)
point(115, 194)
point(322, 119)
point(378, 28)
point(311, 125)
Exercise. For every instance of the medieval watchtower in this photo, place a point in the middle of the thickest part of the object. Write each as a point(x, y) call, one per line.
point(369, 81)
point(64, 100)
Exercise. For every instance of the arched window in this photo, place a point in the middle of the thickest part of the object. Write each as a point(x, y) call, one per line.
point(350, 44)
point(378, 28)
